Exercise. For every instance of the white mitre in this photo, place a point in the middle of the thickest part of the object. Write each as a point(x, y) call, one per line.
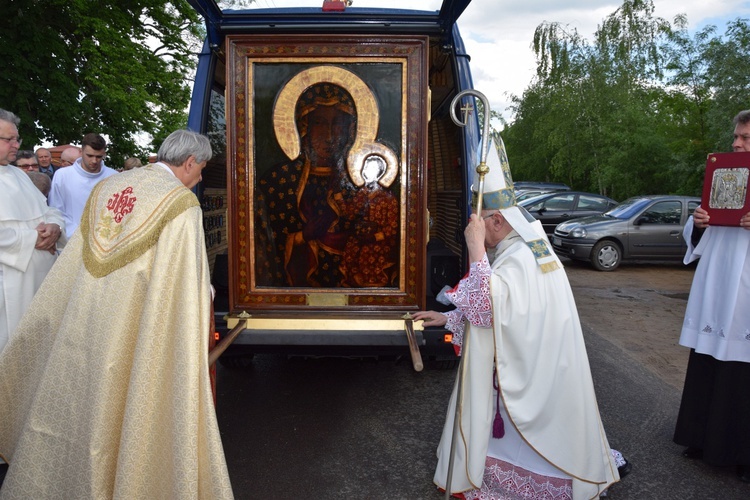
point(499, 195)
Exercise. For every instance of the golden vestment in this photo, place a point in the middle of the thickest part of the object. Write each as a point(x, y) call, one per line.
point(105, 392)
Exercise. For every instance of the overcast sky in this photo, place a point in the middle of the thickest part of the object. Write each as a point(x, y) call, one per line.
point(498, 33)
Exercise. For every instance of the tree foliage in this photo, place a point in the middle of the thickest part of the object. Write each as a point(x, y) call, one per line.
point(116, 68)
point(636, 110)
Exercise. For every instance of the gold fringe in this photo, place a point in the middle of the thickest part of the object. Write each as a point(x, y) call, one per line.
point(182, 201)
point(548, 267)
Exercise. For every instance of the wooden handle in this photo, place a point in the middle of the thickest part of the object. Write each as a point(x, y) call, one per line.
point(222, 346)
point(416, 356)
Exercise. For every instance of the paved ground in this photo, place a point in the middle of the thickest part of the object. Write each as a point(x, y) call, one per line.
point(344, 429)
point(639, 308)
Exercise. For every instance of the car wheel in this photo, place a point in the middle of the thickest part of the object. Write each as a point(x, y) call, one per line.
point(606, 256)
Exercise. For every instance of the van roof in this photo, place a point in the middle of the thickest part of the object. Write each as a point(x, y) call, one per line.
point(296, 17)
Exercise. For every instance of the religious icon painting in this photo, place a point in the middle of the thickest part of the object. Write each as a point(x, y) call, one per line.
point(725, 187)
point(329, 158)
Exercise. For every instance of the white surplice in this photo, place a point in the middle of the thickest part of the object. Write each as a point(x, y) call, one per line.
point(70, 189)
point(22, 268)
point(717, 318)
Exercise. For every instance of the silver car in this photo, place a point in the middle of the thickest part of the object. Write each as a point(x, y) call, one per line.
point(639, 228)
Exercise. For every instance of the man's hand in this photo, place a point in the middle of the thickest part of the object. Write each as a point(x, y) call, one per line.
point(745, 221)
point(474, 235)
point(431, 318)
point(47, 236)
point(701, 217)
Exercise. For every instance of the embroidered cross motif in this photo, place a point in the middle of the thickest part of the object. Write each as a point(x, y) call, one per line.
point(121, 203)
point(539, 248)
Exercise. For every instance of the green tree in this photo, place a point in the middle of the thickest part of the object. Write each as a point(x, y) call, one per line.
point(637, 110)
point(687, 105)
point(116, 68)
point(593, 107)
point(728, 76)
point(708, 82)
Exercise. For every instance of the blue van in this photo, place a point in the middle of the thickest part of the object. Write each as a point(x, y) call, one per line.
point(336, 200)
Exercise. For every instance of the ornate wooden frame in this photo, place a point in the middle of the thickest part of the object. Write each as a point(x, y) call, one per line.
point(254, 66)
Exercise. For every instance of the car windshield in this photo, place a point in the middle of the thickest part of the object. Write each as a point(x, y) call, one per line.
point(628, 208)
point(527, 202)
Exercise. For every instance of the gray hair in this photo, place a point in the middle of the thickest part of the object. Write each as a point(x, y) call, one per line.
point(742, 117)
point(25, 153)
point(9, 117)
point(131, 163)
point(41, 181)
point(181, 144)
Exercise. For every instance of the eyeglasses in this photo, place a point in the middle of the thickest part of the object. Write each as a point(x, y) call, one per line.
point(12, 139)
point(30, 165)
point(488, 216)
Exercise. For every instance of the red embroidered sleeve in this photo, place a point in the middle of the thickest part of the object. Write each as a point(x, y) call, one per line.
point(472, 300)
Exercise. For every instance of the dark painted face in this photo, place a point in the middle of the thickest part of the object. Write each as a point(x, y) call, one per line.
point(329, 132)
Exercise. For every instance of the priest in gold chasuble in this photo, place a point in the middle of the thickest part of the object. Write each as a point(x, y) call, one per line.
point(105, 391)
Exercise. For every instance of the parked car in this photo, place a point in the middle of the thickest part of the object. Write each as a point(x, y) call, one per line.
point(525, 194)
point(639, 228)
point(545, 187)
point(553, 208)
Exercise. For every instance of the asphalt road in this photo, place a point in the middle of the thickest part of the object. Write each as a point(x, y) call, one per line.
point(365, 429)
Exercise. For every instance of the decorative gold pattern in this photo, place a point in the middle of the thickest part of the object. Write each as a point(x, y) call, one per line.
point(113, 245)
point(368, 118)
point(728, 188)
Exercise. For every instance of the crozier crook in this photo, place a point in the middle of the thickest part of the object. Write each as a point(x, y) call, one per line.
point(482, 168)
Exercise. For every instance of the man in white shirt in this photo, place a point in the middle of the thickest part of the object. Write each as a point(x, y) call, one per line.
point(71, 186)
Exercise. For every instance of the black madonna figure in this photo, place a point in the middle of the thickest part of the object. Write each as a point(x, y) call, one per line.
point(329, 217)
point(301, 231)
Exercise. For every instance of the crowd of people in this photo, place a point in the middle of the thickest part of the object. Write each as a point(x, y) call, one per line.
point(82, 417)
point(68, 189)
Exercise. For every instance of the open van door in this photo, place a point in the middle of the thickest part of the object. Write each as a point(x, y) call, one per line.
point(337, 196)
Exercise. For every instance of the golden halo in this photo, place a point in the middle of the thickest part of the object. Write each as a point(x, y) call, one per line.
point(368, 119)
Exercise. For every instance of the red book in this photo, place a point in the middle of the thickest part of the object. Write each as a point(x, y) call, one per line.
point(725, 188)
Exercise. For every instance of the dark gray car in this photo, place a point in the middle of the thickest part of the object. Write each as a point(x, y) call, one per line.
point(553, 208)
point(639, 228)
